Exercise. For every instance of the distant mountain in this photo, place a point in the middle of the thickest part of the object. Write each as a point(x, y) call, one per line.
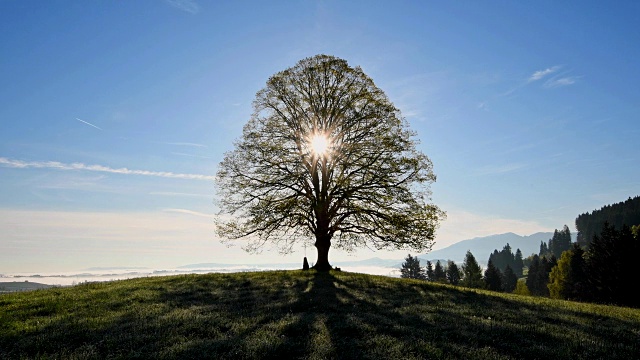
point(376, 261)
point(249, 266)
point(482, 247)
point(367, 262)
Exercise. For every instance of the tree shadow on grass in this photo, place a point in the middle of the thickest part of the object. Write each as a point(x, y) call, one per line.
point(318, 315)
point(406, 319)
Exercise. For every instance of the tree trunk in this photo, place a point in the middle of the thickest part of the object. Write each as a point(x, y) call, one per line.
point(322, 244)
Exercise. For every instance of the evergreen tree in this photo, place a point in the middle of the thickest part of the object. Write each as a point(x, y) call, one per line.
point(542, 277)
point(495, 257)
point(453, 273)
point(493, 278)
point(429, 271)
point(503, 258)
point(544, 248)
point(411, 268)
point(565, 240)
point(518, 264)
point(560, 242)
point(553, 244)
point(577, 280)
point(611, 266)
point(471, 272)
point(537, 276)
point(532, 272)
point(616, 215)
point(438, 273)
point(509, 280)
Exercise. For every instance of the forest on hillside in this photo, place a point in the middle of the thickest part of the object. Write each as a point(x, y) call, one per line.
point(599, 267)
point(617, 215)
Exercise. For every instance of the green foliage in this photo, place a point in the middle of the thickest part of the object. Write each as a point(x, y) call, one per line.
point(537, 276)
point(521, 288)
point(429, 271)
point(305, 315)
point(509, 280)
point(453, 273)
point(492, 278)
point(439, 274)
point(518, 264)
point(370, 187)
point(568, 279)
point(559, 276)
point(471, 272)
point(505, 258)
point(560, 242)
point(411, 269)
point(611, 266)
point(616, 215)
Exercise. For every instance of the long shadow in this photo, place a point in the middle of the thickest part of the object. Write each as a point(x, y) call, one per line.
point(318, 315)
point(486, 327)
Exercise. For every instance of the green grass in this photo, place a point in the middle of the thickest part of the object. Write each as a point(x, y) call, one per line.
point(306, 315)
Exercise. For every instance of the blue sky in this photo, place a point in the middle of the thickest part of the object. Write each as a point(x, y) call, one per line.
point(114, 115)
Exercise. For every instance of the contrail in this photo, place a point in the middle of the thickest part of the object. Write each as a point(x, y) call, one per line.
point(90, 124)
point(19, 164)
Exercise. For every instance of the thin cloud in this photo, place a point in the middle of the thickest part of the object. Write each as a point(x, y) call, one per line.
point(565, 81)
point(540, 74)
point(98, 168)
point(90, 124)
point(188, 212)
point(189, 6)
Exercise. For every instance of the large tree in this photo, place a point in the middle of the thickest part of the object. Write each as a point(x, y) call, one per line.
point(326, 157)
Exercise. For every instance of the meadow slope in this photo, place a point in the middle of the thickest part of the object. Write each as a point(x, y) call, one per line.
point(305, 315)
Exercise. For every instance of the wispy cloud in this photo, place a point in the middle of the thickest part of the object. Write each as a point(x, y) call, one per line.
point(561, 81)
point(99, 168)
point(88, 123)
point(189, 6)
point(540, 74)
point(188, 212)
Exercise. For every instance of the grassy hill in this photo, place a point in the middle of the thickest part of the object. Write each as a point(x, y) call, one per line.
point(297, 314)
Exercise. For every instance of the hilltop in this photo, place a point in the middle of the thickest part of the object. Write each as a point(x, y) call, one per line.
point(311, 315)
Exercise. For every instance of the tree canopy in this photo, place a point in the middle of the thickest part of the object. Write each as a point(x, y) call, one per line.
point(326, 157)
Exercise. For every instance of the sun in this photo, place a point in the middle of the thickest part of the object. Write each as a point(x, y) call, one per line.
point(319, 144)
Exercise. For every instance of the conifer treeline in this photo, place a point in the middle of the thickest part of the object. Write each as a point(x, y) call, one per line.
point(617, 215)
point(600, 267)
